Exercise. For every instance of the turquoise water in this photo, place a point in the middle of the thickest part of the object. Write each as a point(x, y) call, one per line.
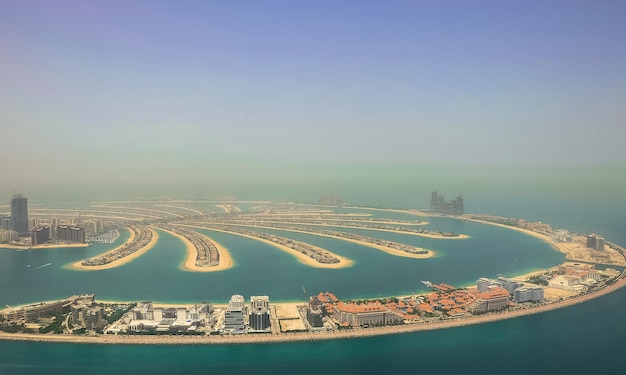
point(541, 343)
point(263, 269)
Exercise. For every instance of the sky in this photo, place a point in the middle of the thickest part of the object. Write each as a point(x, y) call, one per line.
point(134, 97)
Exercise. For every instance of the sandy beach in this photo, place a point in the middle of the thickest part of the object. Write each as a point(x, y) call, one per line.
point(343, 262)
point(386, 249)
point(189, 264)
point(43, 246)
point(77, 266)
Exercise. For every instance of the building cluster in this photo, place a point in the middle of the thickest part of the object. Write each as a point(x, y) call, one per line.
point(537, 226)
point(238, 319)
point(34, 312)
point(145, 317)
point(596, 242)
point(562, 235)
point(43, 230)
point(85, 313)
point(575, 277)
point(207, 254)
point(514, 288)
point(142, 237)
point(7, 235)
point(313, 252)
point(453, 207)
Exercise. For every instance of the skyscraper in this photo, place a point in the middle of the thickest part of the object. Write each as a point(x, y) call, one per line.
point(19, 215)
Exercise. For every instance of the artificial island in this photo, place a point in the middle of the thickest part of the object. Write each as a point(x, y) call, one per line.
point(83, 318)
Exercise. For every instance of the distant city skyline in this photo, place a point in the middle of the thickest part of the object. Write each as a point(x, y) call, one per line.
point(215, 95)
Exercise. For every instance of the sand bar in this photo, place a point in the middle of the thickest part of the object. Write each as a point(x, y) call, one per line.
point(386, 249)
point(189, 264)
point(119, 262)
point(343, 262)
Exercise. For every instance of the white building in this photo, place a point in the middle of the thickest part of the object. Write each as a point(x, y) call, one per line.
point(7, 235)
point(567, 282)
point(234, 316)
point(525, 294)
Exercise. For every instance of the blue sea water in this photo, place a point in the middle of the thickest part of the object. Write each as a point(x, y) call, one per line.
point(581, 339)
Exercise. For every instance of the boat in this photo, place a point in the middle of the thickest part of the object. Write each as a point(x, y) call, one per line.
point(427, 283)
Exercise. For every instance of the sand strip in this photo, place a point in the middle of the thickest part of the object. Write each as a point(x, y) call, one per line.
point(343, 262)
point(438, 236)
point(77, 266)
point(189, 264)
point(386, 249)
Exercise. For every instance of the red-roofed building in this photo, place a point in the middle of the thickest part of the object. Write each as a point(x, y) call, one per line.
point(494, 299)
point(366, 314)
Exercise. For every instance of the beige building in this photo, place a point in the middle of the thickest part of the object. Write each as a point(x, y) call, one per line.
point(360, 315)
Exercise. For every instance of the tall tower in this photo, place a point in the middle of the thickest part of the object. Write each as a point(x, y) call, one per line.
point(19, 215)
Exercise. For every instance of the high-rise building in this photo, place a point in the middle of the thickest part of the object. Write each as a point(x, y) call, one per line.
point(525, 294)
point(438, 204)
point(7, 235)
point(595, 242)
point(70, 233)
point(314, 312)
point(19, 215)
point(39, 235)
point(259, 313)
point(233, 318)
point(5, 223)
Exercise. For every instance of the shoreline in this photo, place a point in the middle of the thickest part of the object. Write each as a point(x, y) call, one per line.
point(343, 262)
point(307, 336)
point(43, 246)
point(619, 283)
point(189, 264)
point(77, 266)
point(387, 250)
point(427, 235)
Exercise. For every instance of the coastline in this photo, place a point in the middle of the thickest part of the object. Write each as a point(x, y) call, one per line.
point(43, 246)
point(189, 264)
point(343, 262)
point(388, 250)
point(77, 266)
point(307, 336)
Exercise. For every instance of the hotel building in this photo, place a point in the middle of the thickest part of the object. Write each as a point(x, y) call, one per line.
point(69, 233)
point(526, 294)
point(367, 314)
point(259, 317)
point(495, 298)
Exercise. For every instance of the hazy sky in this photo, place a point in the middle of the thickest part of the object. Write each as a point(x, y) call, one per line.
point(203, 92)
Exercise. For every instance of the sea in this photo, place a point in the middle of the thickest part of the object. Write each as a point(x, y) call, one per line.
point(585, 338)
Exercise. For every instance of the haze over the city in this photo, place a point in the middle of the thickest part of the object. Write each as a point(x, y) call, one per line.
point(149, 98)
